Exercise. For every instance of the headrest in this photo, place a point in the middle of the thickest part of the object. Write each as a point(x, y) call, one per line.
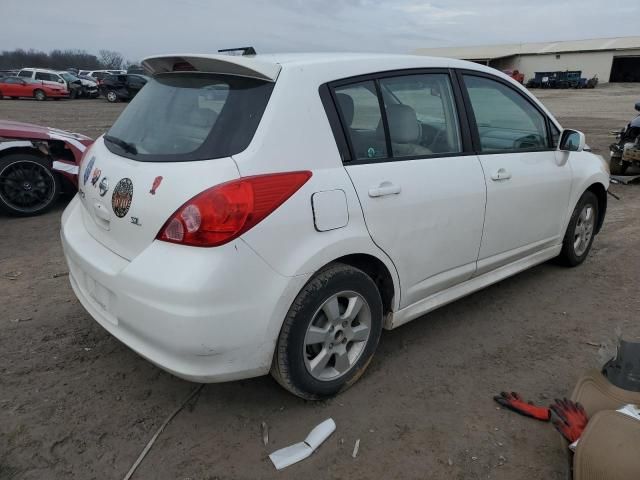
point(403, 124)
point(346, 105)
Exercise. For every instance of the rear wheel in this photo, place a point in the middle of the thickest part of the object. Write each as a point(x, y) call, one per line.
point(39, 95)
point(330, 333)
point(580, 231)
point(617, 166)
point(27, 185)
point(111, 96)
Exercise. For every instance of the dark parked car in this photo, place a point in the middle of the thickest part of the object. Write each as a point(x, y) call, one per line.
point(122, 87)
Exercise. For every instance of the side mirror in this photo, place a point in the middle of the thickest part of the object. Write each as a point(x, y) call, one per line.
point(638, 106)
point(572, 141)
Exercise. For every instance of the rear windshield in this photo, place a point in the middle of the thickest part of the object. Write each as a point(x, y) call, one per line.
point(189, 116)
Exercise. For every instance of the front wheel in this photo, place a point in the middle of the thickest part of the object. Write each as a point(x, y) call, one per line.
point(111, 96)
point(27, 184)
point(617, 166)
point(330, 333)
point(580, 231)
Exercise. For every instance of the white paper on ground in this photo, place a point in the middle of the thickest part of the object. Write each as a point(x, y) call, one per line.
point(294, 453)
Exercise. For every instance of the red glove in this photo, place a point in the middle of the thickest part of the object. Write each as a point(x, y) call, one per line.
point(513, 401)
point(570, 419)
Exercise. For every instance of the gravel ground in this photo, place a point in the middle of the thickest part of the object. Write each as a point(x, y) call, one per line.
point(77, 404)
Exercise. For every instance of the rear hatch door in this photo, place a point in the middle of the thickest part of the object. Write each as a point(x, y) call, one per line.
point(173, 141)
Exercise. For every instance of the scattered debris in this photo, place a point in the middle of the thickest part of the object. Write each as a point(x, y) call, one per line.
point(613, 195)
point(265, 433)
point(162, 427)
point(12, 275)
point(450, 462)
point(474, 458)
point(501, 460)
point(356, 448)
point(594, 344)
point(625, 179)
point(18, 320)
point(294, 453)
point(87, 349)
point(61, 274)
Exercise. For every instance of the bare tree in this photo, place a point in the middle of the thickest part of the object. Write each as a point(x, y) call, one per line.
point(110, 59)
point(56, 59)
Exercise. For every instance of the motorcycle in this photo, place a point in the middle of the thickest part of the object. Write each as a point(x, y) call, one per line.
point(626, 151)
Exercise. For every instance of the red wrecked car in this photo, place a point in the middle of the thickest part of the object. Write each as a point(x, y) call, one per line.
point(36, 165)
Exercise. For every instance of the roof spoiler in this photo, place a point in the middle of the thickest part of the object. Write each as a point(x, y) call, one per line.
point(223, 64)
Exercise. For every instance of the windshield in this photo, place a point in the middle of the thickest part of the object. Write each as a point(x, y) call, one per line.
point(68, 77)
point(190, 116)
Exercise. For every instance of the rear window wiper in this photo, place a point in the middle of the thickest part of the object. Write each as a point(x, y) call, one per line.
point(126, 146)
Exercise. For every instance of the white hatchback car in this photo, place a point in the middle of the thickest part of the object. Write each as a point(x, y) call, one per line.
point(276, 212)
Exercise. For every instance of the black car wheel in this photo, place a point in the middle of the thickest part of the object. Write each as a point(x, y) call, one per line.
point(27, 184)
point(39, 95)
point(112, 97)
point(330, 333)
point(617, 166)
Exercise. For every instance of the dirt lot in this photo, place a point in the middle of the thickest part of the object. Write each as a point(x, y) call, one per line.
point(75, 403)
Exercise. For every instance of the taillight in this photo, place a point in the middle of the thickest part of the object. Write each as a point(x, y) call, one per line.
point(224, 212)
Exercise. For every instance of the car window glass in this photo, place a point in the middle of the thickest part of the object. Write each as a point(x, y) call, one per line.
point(506, 120)
point(189, 116)
point(361, 117)
point(12, 80)
point(421, 115)
point(555, 135)
point(25, 74)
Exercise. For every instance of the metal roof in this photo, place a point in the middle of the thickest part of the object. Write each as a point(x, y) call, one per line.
point(487, 52)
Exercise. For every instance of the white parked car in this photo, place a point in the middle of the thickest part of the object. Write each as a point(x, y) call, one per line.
point(276, 212)
point(76, 86)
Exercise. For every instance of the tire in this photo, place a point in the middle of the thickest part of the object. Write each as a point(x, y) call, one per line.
point(339, 286)
point(28, 186)
point(111, 96)
point(39, 95)
point(617, 166)
point(580, 231)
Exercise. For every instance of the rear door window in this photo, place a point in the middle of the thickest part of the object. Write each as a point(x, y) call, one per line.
point(362, 118)
point(421, 115)
point(190, 116)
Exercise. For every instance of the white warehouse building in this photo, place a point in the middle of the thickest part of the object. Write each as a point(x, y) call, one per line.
point(610, 59)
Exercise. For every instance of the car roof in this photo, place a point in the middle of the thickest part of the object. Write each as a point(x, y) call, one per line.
point(328, 64)
point(42, 70)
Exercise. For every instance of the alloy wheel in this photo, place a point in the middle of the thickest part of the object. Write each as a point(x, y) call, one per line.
point(584, 230)
point(26, 186)
point(337, 335)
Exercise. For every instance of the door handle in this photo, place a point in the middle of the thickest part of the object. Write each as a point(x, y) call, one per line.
point(385, 188)
point(501, 174)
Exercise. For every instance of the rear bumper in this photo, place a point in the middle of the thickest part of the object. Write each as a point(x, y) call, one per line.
point(205, 315)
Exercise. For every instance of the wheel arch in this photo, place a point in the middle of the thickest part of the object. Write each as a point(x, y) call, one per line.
point(22, 149)
point(379, 273)
point(600, 192)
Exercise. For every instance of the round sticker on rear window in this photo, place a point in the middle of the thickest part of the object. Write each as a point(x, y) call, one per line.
point(122, 196)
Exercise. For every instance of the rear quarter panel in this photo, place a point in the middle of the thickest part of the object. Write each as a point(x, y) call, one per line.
point(294, 134)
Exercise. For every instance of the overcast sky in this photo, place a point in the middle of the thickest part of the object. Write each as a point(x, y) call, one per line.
point(140, 28)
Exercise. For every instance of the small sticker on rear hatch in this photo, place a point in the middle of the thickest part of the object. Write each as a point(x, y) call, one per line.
point(122, 196)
